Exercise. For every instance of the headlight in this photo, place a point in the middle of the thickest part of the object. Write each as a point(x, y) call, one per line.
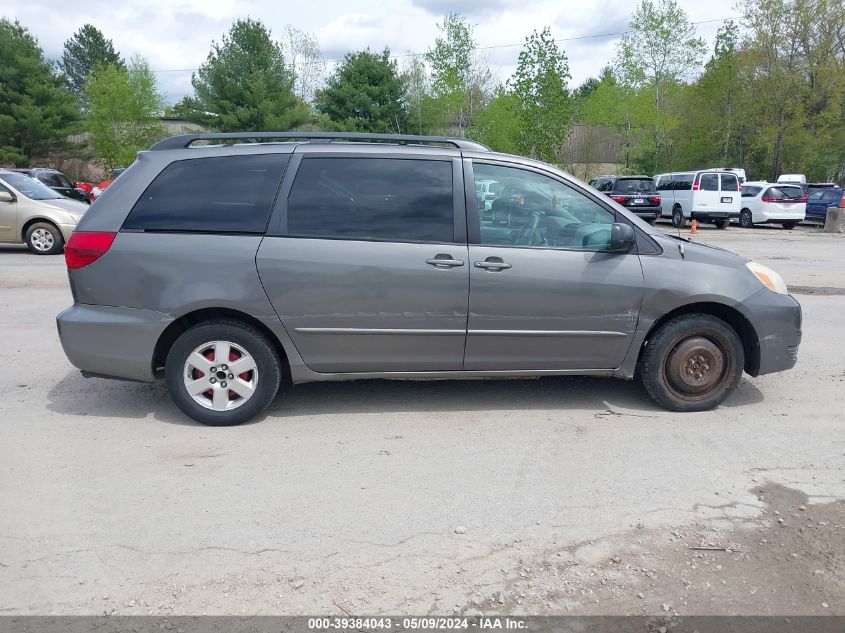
point(768, 277)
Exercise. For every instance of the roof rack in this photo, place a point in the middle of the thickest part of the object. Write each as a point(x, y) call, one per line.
point(186, 140)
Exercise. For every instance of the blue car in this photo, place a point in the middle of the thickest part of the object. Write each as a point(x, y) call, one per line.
point(819, 200)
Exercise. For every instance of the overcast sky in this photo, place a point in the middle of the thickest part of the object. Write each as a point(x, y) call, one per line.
point(175, 35)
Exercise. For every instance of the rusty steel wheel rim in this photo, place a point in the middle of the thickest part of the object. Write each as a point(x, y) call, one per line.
point(696, 367)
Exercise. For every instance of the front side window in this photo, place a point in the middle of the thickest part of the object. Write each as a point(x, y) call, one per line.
point(537, 211)
point(709, 182)
point(224, 194)
point(729, 182)
point(382, 199)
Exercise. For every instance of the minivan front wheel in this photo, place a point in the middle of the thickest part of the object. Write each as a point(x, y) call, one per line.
point(222, 372)
point(692, 363)
point(42, 238)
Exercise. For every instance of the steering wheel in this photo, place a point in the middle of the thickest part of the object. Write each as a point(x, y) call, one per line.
point(531, 235)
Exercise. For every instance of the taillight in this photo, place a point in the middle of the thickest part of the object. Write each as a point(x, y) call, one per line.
point(655, 199)
point(618, 198)
point(85, 247)
point(769, 199)
point(696, 184)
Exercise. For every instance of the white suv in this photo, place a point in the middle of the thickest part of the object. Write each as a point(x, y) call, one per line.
point(773, 203)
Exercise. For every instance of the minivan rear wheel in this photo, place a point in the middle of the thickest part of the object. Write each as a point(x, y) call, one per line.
point(678, 220)
point(222, 372)
point(692, 363)
point(43, 238)
point(745, 219)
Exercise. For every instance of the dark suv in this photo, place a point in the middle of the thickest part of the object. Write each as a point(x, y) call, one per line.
point(329, 256)
point(637, 193)
point(57, 181)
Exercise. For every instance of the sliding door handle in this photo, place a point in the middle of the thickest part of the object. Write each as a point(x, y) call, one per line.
point(492, 265)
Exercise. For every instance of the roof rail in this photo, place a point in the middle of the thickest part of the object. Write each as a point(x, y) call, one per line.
point(186, 140)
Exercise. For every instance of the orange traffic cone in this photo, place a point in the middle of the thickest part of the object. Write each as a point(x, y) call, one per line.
point(694, 227)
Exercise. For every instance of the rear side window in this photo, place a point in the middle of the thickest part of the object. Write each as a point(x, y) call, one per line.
point(749, 191)
point(224, 194)
point(709, 182)
point(683, 182)
point(401, 200)
point(634, 185)
point(729, 182)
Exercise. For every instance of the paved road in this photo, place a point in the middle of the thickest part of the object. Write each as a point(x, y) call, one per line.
point(573, 495)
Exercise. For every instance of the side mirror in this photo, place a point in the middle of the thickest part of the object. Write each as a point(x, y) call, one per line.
point(5, 196)
point(622, 238)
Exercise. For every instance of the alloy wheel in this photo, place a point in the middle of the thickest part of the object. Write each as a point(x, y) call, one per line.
point(220, 375)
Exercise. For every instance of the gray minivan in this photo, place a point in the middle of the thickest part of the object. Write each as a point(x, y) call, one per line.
point(222, 266)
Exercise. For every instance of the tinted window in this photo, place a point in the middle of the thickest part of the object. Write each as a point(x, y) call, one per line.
point(666, 183)
point(785, 193)
point(50, 179)
point(729, 182)
point(683, 182)
point(373, 198)
point(709, 182)
point(816, 195)
point(536, 211)
point(227, 194)
point(749, 191)
point(831, 195)
point(634, 185)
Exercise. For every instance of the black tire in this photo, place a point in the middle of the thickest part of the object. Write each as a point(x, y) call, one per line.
point(38, 242)
point(678, 350)
point(789, 225)
point(253, 341)
point(745, 219)
point(678, 219)
point(721, 224)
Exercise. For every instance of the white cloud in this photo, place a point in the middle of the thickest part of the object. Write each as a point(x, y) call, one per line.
point(176, 34)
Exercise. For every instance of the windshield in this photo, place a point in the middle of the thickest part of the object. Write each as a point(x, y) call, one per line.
point(635, 185)
point(30, 187)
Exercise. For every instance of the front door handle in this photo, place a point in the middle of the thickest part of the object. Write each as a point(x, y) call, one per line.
point(493, 265)
point(444, 261)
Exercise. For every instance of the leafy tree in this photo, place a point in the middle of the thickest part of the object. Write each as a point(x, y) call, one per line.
point(84, 51)
point(416, 81)
point(37, 112)
point(365, 93)
point(245, 84)
point(498, 125)
point(302, 51)
point(659, 54)
point(460, 80)
point(125, 111)
point(539, 86)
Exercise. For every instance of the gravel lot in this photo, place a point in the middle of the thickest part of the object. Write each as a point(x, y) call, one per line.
point(523, 496)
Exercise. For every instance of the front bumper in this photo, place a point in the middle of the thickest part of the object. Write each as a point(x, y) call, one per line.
point(111, 342)
point(776, 319)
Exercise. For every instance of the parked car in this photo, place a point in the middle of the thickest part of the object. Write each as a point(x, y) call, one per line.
point(34, 214)
point(708, 196)
point(795, 179)
point(819, 200)
point(638, 193)
point(57, 181)
point(101, 186)
point(222, 268)
point(485, 193)
point(739, 171)
point(772, 203)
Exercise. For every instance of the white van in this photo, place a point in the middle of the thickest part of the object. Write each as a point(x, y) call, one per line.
point(706, 195)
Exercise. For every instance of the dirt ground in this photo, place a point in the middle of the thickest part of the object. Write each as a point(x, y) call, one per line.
point(551, 496)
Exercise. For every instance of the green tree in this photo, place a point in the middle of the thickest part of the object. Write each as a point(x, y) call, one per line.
point(245, 84)
point(125, 108)
point(37, 112)
point(498, 125)
point(539, 86)
point(461, 81)
point(658, 56)
point(84, 51)
point(365, 93)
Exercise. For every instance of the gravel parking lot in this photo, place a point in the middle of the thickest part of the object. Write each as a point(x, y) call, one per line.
point(558, 495)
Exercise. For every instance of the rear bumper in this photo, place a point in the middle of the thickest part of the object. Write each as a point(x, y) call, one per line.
point(111, 342)
point(776, 319)
point(714, 215)
point(776, 218)
point(647, 213)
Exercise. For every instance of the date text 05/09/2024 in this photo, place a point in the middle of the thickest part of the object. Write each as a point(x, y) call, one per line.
point(428, 623)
